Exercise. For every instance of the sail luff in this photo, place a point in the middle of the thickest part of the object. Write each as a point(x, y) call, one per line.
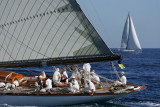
point(125, 34)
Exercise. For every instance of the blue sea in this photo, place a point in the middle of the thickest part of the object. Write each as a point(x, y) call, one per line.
point(141, 69)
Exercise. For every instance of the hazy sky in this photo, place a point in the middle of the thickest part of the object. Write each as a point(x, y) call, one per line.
point(109, 16)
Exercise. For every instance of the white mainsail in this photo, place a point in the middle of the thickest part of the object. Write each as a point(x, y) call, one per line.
point(39, 29)
point(129, 39)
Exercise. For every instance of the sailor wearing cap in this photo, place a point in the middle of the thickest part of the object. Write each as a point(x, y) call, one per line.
point(74, 86)
point(56, 77)
point(123, 79)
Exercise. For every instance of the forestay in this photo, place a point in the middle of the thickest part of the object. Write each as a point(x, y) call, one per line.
point(38, 30)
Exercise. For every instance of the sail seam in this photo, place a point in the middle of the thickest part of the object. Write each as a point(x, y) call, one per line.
point(51, 29)
point(40, 32)
point(14, 29)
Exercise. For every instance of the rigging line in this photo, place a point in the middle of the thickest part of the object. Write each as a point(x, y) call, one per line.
point(40, 32)
point(8, 28)
point(101, 25)
point(13, 18)
point(64, 33)
point(115, 70)
point(99, 35)
point(1, 19)
point(24, 44)
point(28, 30)
point(51, 29)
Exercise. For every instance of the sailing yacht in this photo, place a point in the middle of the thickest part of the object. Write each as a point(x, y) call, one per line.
point(129, 38)
point(42, 33)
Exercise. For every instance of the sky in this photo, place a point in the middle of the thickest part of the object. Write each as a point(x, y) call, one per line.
point(109, 16)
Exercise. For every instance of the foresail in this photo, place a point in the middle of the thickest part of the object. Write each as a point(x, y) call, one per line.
point(133, 42)
point(44, 29)
point(125, 34)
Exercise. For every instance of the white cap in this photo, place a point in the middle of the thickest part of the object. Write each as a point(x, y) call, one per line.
point(122, 73)
point(57, 69)
point(73, 77)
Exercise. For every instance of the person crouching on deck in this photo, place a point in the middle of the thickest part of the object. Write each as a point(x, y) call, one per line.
point(64, 76)
point(39, 84)
point(48, 83)
point(12, 86)
point(91, 88)
point(56, 77)
point(74, 86)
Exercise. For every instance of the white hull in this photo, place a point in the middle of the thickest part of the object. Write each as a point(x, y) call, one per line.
point(53, 100)
point(131, 51)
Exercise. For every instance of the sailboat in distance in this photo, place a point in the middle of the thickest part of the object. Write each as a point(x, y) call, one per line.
point(42, 33)
point(129, 38)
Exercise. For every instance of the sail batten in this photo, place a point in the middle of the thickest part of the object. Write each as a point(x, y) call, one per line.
point(40, 29)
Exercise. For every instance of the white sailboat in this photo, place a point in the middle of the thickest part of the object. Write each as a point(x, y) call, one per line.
point(40, 33)
point(129, 38)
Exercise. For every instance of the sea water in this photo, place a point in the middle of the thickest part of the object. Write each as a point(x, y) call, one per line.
point(141, 69)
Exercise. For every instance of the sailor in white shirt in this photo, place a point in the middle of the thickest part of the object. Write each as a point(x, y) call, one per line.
point(64, 76)
point(91, 88)
point(123, 79)
point(2, 84)
point(74, 86)
point(56, 77)
point(94, 78)
point(48, 84)
point(43, 75)
point(76, 74)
